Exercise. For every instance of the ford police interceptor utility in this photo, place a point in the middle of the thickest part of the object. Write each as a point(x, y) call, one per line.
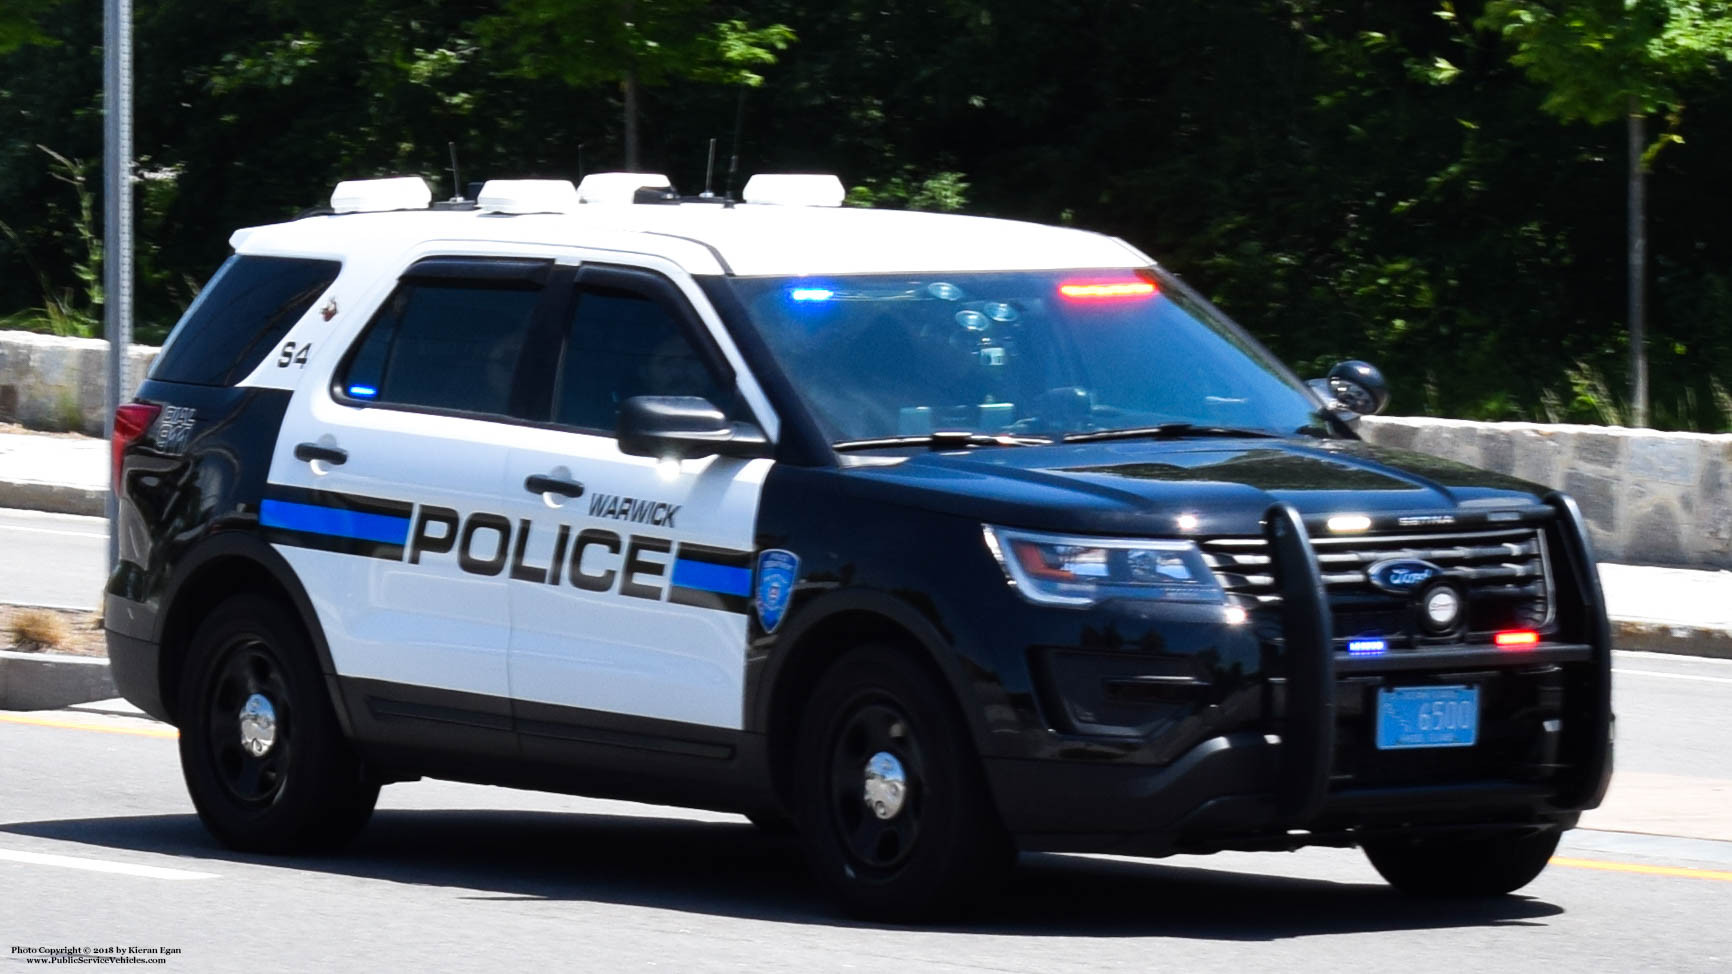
point(931, 537)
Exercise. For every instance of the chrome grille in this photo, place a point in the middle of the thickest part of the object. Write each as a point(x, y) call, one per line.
point(1505, 572)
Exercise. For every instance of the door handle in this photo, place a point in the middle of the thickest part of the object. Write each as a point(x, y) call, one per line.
point(543, 484)
point(313, 451)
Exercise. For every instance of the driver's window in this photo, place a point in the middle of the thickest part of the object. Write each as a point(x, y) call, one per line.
point(620, 344)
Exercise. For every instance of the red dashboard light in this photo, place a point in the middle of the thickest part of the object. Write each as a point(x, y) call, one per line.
point(1096, 290)
point(1516, 637)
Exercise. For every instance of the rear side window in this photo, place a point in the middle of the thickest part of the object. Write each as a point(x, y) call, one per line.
point(455, 347)
point(240, 316)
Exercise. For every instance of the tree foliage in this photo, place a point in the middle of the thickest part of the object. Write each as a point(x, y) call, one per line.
point(1599, 58)
point(1347, 179)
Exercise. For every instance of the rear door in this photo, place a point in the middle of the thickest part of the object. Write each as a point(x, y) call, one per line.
point(630, 606)
point(385, 490)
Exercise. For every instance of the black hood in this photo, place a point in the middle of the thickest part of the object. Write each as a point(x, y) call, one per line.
point(1228, 484)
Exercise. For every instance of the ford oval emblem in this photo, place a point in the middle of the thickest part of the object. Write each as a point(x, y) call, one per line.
point(1402, 575)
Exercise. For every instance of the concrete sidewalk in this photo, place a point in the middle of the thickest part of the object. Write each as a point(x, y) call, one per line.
point(1665, 610)
point(62, 473)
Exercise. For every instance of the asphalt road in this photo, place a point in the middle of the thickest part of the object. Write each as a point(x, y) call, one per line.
point(56, 560)
point(99, 847)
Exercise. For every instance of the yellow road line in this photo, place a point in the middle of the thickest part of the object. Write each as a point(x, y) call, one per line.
point(1630, 867)
point(170, 733)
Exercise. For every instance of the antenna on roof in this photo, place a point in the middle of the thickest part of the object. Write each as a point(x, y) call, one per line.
point(734, 159)
point(456, 177)
point(710, 171)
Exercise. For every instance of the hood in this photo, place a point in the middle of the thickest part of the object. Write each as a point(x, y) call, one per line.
point(1227, 484)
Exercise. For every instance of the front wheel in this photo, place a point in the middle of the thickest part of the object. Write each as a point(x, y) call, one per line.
point(265, 762)
point(891, 801)
point(1464, 865)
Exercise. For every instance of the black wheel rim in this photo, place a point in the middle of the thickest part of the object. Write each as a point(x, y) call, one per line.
point(871, 726)
point(245, 668)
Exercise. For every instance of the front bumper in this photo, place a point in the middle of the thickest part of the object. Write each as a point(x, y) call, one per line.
point(1312, 773)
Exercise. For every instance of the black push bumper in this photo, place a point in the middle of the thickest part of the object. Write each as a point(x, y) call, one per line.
point(1252, 789)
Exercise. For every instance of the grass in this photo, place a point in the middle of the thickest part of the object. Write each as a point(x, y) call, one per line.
point(37, 629)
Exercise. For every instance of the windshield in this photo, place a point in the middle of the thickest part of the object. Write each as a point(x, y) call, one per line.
point(1046, 353)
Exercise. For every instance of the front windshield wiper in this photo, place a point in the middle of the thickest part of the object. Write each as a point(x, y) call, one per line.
point(943, 440)
point(1167, 430)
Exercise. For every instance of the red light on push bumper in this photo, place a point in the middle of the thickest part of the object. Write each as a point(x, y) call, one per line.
point(1095, 290)
point(1516, 637)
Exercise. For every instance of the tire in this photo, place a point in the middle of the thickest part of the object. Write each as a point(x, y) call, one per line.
point(924, 854)
point(306, 791)
point(1464, 865)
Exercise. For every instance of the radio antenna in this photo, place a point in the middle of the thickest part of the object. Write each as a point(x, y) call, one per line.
point(734, 159)
point(710, 171)
point(456, 178)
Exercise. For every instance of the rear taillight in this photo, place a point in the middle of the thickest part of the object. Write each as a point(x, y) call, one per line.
point(130, 422)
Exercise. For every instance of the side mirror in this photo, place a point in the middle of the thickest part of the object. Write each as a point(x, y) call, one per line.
point(684, 427)
point(1355, 386)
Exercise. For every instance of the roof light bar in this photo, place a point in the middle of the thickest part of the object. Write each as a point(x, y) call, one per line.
point(619, 187)
point(381, 195)
point(519, 196)
point(795, 189)
point(1107, 289)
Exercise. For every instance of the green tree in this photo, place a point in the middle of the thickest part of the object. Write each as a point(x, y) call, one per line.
point(18, 25)
point(632, 44)
point(1600, 60)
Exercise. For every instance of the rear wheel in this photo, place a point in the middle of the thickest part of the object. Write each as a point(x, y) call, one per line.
point(1464, 865)
point(891, 802)
point(265, 762)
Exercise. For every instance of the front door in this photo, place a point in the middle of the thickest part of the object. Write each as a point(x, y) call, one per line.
point(632, 597)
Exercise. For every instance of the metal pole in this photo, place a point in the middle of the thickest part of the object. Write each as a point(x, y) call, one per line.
point(116, 215)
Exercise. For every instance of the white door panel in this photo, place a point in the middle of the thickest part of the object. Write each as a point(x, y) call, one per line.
point(661, 629)
point(426, 623)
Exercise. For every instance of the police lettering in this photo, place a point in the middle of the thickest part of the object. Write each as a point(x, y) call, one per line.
point(636, 509)
point(594, 560)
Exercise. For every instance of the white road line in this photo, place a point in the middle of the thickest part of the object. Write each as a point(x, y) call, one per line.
point(1671, 676)
point(70, 534)
point(101, 866)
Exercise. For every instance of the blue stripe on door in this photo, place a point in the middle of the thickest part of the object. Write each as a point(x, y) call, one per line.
point(706, 577)
point(289, 515)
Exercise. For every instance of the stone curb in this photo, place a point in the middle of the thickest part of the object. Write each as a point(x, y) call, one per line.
point(54, 498)
point(49, 681)
point(1649, 636)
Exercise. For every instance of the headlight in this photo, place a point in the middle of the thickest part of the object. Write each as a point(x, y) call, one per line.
point(1079, 571)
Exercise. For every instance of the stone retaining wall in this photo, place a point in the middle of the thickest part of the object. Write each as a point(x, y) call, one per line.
point(1650, 498)
point(61, 384)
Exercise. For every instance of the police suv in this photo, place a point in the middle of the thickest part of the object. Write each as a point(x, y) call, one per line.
point(930, 537)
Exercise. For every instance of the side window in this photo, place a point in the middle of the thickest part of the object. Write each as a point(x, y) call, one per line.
point(459, 346)
point(622, 343)
point(241, 316)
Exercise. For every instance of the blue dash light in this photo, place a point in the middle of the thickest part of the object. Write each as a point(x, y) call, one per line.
point(1367, 647)
point(811, 294)
point(363, 392)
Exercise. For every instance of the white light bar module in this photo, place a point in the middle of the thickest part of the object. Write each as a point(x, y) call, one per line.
point(795, 189)
point(528, 196)
point(619, 187)
point(380, 195)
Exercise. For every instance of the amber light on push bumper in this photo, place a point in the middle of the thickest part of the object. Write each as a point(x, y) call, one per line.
point(1516, 638)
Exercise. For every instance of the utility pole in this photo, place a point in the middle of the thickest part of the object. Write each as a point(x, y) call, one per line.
point(1638, 254)
point(116, 216)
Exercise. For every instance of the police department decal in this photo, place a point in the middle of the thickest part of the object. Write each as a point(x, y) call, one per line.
point(777, 570)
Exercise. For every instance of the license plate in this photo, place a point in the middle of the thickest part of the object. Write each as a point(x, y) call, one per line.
point(1427, 717)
